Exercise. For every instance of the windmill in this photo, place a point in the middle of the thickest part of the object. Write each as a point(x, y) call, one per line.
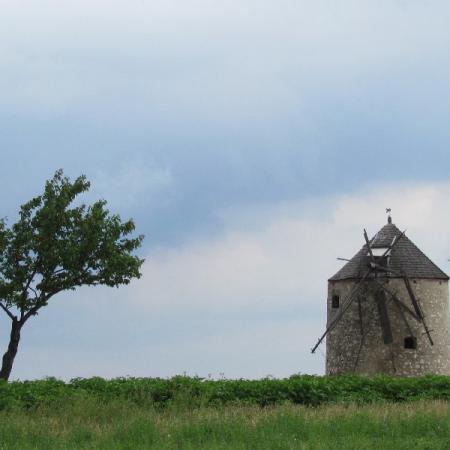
point(388, 256)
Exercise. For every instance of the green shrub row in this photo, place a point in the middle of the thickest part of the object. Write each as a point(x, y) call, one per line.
point(195, 391)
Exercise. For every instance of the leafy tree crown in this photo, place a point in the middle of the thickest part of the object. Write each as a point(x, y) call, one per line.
point(56, 246)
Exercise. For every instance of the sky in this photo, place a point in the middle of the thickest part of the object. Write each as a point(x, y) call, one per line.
point(250, 141)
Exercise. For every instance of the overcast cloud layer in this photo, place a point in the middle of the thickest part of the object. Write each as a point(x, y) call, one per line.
point(250, 141)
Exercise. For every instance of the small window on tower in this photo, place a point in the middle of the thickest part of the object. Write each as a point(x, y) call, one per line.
point(410, 342)
point(381, 256)
point(335, 301)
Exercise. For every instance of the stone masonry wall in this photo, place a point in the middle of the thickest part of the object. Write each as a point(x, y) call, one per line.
point(348, 338)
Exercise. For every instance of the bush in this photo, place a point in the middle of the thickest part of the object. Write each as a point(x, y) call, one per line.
point(193, 392)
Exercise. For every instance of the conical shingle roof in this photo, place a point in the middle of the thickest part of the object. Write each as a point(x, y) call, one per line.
point(405, 258)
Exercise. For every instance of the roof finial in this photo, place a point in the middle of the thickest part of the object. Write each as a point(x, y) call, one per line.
point(388, 212)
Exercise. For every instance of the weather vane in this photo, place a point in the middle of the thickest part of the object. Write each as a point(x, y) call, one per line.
point(388, 212)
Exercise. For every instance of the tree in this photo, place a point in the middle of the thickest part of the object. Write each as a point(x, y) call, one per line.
point(57, 246)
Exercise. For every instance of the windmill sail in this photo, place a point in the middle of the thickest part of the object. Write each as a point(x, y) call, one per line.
point(380, 298)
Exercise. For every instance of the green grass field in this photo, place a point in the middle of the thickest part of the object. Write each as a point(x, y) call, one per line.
point(92, 424)
point(299, 412)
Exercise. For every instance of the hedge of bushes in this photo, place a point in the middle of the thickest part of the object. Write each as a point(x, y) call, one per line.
point(196, 392)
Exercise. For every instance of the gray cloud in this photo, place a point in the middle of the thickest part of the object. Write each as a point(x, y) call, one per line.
point(224, 129)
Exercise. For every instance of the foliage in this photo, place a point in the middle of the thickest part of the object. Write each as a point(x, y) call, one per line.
point(195, 392)
point(55, 246)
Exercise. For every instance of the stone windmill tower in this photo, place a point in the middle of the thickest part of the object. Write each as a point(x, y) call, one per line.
point(388, 311)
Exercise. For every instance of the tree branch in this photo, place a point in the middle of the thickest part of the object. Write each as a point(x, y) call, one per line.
point(40, 303)
point(31, 312)
point(34, 292)
point(30, 279)
point(7, 311)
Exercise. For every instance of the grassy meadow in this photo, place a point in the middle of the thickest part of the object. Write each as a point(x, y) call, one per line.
point(300, 412)
point(91, 424)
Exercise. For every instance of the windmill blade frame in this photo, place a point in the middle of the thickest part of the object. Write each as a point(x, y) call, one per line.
point(380, 299)
point(347, 303)
point(363, 334)
point(366, 238)
point(394, 243)
point(418, 314)
point(396, 300)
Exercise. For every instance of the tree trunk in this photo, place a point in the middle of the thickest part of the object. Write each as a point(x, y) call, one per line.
point(10, 354)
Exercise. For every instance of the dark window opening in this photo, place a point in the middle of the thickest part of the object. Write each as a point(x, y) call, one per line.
point(382, 261)
point(410, 342)
point(379, 256)
point(335, 301)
